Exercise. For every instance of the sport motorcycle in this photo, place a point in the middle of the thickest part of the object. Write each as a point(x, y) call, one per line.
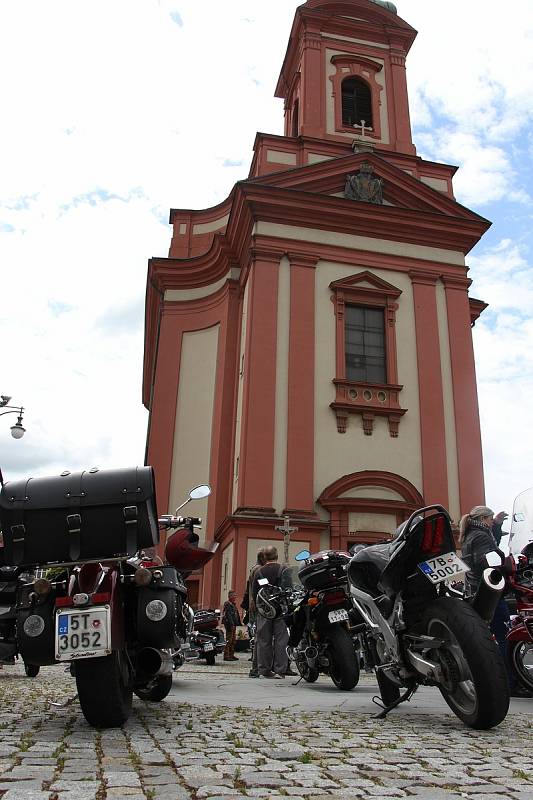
point(416, 633)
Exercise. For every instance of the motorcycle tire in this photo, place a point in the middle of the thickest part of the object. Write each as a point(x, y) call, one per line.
point(31, 670)
point(520, 656)
point(309, 674)
point(210, 659)
point(476, 687)
point(156, 689)
point(104, 690)
point(343, 660)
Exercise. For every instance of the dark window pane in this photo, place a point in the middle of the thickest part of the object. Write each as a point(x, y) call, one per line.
point(365, 344)
point(356, 102)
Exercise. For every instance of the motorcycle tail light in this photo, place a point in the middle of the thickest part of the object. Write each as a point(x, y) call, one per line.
point(63, 601)
point(433, 536)
point(100, 597)
point(313, 601)
point(42, 587)
point(142, 576)
point(334, 598)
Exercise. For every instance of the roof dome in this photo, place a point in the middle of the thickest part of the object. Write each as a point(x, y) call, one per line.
point(389, 6)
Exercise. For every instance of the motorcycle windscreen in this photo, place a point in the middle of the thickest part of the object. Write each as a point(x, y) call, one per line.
point(522, 522)
point(185, 554)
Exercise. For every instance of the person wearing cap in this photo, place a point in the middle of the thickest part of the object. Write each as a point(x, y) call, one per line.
point(480, 533)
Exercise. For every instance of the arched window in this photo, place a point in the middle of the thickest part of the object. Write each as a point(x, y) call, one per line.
point(356, 102)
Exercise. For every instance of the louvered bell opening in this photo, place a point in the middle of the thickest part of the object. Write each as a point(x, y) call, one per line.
point(356, 103)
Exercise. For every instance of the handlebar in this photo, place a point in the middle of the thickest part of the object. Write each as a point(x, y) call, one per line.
point(169, 521)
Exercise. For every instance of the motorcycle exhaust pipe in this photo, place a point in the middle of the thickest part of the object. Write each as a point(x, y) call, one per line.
point(154, 662)
point(311, 654)
point(488, 594)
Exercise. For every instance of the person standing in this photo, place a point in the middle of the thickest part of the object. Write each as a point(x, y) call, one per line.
point(249, 605)
point(230, 620)
point(480, 533)
point(271, 637)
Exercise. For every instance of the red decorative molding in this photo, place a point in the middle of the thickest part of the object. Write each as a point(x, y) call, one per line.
point(354, 397)
point(477, 307)
point(365, 69)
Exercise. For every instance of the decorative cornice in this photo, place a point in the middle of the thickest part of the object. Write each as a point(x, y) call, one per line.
point(302, 259)
point(456, 282)
point(346, 60)
point(426, 278)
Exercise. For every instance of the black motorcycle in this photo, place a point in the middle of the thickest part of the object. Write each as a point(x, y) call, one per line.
point(321, 628)
point(415, 633)
point(207, 639)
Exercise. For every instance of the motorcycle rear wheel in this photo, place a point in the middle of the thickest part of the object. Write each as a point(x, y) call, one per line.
point(31, 670)
point(156, 689)
point(210, 659)
point(104, 690)
point(475, 686)
point(521, 657)
point(343, 660)
point(309, 674)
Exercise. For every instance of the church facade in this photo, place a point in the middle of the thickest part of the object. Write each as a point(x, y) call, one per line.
point(308, 345)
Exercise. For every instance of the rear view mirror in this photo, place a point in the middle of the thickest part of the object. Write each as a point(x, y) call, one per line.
point(302, 555)
point(199, 492)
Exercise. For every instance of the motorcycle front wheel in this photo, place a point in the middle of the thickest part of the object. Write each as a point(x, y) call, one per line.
point(104, 689)
point(474, 681)
point(521, 657)
point(343, 660)
point(156, 689)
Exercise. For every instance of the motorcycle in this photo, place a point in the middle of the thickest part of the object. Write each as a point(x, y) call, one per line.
point(106, 605)
point(322, 624)
point(417, 634)
point(207, 639)
point(11, 580)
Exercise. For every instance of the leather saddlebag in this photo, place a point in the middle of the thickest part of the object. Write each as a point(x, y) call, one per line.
point(78, 516)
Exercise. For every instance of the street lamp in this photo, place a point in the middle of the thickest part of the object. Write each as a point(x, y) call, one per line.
point(17, 430)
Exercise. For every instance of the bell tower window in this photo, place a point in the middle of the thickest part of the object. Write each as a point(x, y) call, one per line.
point(364, 337)
point(356, 103)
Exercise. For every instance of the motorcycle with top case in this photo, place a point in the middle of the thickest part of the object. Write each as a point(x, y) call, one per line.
point(105, 603)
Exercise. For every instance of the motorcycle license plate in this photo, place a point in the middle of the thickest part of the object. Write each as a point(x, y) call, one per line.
point(208, 647)
point(443, 568)
point(338, 616)
point(83, 633)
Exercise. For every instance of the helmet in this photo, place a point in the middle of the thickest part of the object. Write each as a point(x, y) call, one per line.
point(267, 602)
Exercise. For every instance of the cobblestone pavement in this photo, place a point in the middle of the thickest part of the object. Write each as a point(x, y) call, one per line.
point(174, 751)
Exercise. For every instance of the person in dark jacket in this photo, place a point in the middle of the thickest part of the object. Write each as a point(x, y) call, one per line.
point(271, 636)
point(480, 533)
point(230, 620)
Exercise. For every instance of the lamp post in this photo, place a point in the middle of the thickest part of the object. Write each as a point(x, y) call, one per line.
point(17, 430)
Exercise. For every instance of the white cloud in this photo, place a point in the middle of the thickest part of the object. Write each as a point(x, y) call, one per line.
point(113, 112)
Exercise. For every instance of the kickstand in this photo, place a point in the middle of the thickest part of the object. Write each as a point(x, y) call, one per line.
point(300, 679)
point(406, 697)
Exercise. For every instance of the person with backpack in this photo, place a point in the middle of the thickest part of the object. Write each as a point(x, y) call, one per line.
point(271, 636)
point(248, 604)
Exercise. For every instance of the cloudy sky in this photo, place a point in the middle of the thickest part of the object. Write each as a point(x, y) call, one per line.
point(103, 131)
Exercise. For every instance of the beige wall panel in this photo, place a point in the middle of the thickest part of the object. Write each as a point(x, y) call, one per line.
point(449, 409)
point(313, 235)
point(377, 492)
point(182, 295)
point(183, 228)
point(341, 454)
point(209, 227)
point(377, 523)
point(242, 367)
point(279, 157)
point(316, 158)
point(226, 574)
point(351, 39)
point(282, 388)
point(324, 536)
point(436, 183)
point(194, 418)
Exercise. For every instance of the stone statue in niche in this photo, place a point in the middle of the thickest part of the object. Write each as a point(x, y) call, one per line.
point(364, 186)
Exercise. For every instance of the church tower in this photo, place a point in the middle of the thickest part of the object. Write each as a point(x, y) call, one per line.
point(308, 345)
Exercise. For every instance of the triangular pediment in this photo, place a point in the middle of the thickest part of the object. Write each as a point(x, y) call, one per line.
point(368, 281)
point(400, 189)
